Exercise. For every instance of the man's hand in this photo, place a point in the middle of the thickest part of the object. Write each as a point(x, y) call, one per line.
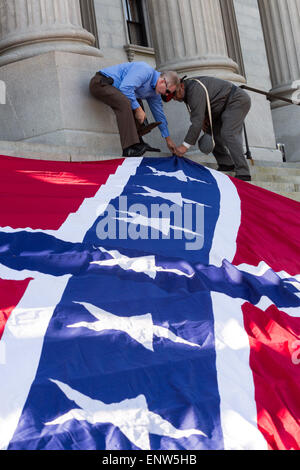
point(180, 151)
point(140, 114)
point(171, 145)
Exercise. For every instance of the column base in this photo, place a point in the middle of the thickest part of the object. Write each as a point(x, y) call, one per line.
point(28, 44)
point(97, 143)
point(286, 124)
point(221, 67)
point(289, 90)
point(31, 50)
point(48, 102)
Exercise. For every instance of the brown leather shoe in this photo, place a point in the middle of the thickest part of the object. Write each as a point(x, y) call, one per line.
point(146, 128)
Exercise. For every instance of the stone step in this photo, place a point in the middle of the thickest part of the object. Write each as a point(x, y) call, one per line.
point(269, 177)
point(269, 174)
point(262, 171)
point(258, 171)
point(69, 153)
point(209, 159)
point(276, 171)
point(295, 196)
point(266, 164)
point(39, 151)
point(277, 187)
point(276, 178)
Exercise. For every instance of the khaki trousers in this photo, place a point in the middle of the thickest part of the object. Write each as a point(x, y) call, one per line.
point(101, 89)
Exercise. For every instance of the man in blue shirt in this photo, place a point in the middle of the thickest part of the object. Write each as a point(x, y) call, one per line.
point(122, 87)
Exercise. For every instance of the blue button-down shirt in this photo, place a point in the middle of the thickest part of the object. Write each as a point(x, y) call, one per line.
point(137, 80)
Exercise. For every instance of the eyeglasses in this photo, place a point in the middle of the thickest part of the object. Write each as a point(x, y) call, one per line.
point(168, 92)
point(169, 95)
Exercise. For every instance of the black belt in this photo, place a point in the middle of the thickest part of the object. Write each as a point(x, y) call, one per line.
point(105, 78)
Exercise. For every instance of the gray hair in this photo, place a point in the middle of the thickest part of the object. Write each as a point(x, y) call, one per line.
point(171, 77)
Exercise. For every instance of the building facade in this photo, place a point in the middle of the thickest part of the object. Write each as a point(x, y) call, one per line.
point(50, 49)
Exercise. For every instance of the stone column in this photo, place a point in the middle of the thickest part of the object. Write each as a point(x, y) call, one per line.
point(189, 37)
point(281, 27)
point(32, 27)
point(46, 61)
point(280, 20)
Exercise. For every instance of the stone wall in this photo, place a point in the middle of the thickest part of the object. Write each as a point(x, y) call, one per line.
point(47, 63)
point(259, 123)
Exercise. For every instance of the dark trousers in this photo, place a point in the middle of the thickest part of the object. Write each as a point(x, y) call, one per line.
point(101, 89)
point(228, 133)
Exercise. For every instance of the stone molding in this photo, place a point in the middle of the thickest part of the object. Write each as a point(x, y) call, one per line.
point(189, 37)
point(134, 50)
point(33, 27)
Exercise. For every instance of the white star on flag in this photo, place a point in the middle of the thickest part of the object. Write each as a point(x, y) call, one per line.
point(179, 174)
point(265, 302)
point(139, 327)
point(131, 416)
point(140, 264)
point(176, 198)
point(162, 225)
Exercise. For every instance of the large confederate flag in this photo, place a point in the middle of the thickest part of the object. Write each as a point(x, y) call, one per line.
point(146, 304)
